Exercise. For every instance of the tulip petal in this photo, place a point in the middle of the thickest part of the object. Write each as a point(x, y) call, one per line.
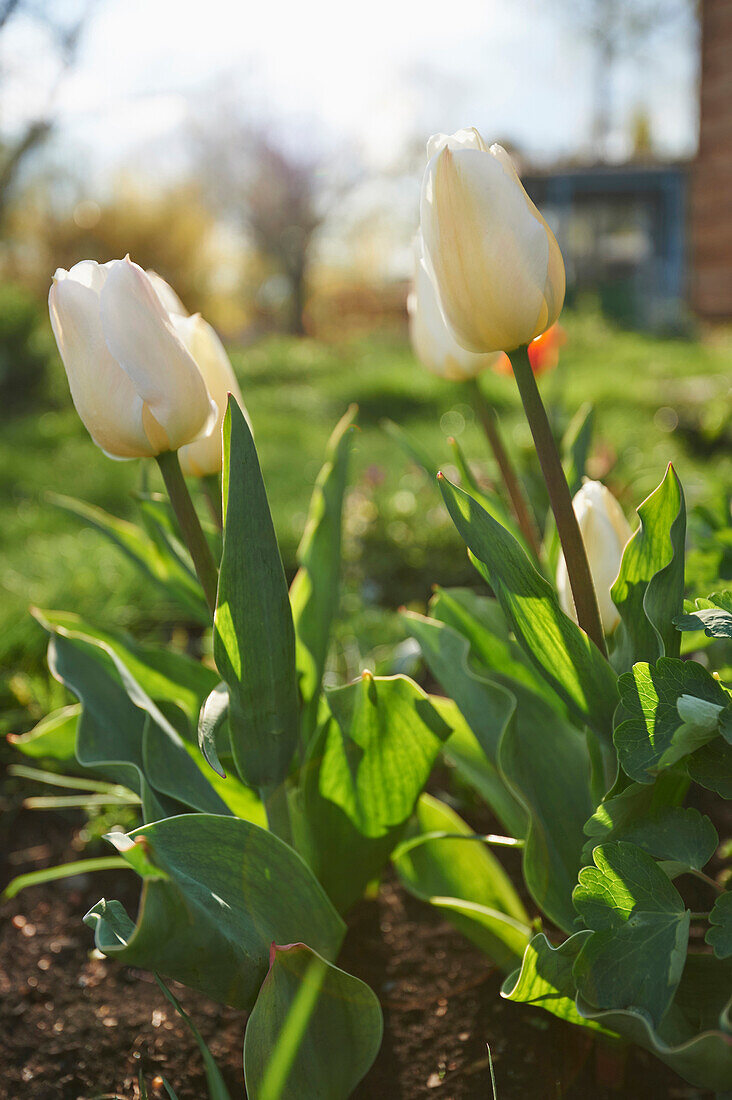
point(204, 455)
point(141, 337)
point(104, 396)
point(166, 294)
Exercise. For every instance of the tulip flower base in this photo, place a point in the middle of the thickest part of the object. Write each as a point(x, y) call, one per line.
point(73, 1026)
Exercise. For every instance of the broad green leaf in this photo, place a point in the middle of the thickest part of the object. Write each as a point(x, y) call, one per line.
point(719, 936)
point(110, 728)
point(153, 672)
point(627, 808)
point(165, 569)
point(652, 734)
point(649, 591)
point(314, 1031)
point(713, 616)
point(486, 706)
point(680, 834)
point(254, 638)
point(464, 752)
point(482, 622)
point(54, 737)
point(217, 892)
point(359, 783)
point(547, 767)
point(694, 1037)
point(217, 1090)
point(124, 733)
point(379, 753)
point(64, 870)
point(342, 859)
point(545, 978)
point(636, 955)
point(465, 881)
point(315, 591)
point(562, 652)
point(711, 766)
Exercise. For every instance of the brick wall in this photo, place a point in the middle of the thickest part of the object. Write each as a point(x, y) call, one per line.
point(711, 192)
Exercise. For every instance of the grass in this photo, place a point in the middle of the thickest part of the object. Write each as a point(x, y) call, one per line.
point(656, 399)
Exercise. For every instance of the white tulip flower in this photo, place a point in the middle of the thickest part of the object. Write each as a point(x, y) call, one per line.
point(496, 263)
point(135, 386)
point(432, 341)
point(605, 532)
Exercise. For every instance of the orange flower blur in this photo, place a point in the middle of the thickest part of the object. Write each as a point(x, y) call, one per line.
point(543, 352)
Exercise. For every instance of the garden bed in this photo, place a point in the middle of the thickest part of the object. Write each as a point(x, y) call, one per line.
point(75, 1027)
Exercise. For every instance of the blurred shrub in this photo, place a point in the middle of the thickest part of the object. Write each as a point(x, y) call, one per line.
point(25, 347)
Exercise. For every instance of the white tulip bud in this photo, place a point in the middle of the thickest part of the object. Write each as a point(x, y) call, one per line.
point(204, 456)
point(605, 532)
point(496, 263)
point(432, 341)
point(135, 386)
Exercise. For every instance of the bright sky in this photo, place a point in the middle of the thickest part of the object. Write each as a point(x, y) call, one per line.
point(367, 75)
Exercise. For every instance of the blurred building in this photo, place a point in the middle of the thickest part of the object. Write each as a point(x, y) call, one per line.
point(711, 190)
point(623, 233)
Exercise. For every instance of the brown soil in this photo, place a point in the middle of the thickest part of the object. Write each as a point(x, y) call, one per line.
point(75, 1027)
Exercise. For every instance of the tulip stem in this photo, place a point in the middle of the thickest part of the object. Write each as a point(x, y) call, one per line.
point(575, 556)
point(489, 421)
point(190, 525)
point(212, 491)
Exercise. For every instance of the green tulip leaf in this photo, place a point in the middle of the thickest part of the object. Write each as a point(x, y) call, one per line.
point(464, 880)
point(464, 752)
point(719, 936)
point(162, 567)
point(576, 445)
point(492, 650)
point(711, 767)
point(563, 653)
point(213, 714)
point(545, 978)
point(411, 447)
point(547, 767)
point(361, 779)
point(149, 673)
point(636, 955)
point(379, 754)
point(216, 892)
point(486, 706)
point(653, 733)
point(314, 1031)
point(712, 615)
point(314, 593)
point(694, 1037)
point(53, 738)
point(254, 637)
point(649, 591)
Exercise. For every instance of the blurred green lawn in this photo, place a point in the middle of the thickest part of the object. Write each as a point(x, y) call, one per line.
point(656, 399)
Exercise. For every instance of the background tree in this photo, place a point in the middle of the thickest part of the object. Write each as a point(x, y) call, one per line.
point(63, 29)
point(618, 29)
point(267, 187)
